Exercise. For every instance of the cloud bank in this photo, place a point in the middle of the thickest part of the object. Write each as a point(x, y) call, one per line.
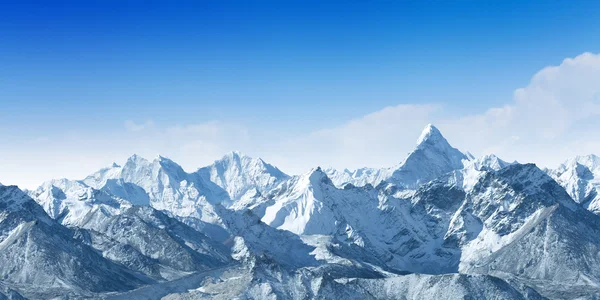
point(554, 117)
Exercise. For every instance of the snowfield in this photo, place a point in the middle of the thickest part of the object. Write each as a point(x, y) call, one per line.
point(440, 224)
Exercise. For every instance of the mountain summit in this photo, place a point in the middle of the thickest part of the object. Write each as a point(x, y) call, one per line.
point(430, 134)
point(239, 174)
point(485, 224)
point(432, 157)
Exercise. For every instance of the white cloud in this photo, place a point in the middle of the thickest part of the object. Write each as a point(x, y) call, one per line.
point(76, 154)
point(551, 119)
point(554, 117)
point(377, 139)
point(546, 122)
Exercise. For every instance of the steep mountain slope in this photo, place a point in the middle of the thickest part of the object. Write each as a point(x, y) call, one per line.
point(264, 280)
point(239, 175)
point(39, 256)
point(167, 187)
point(432, 157)
point(406, 234)
point(162, 184)
point(359, 177)
point(519, 223)
point(580, 177)
point(242, 228)
point(148, 241)
point(75, 204)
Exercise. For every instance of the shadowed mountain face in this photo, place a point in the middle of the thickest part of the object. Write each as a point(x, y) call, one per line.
point(440, 224)
point(37, 251)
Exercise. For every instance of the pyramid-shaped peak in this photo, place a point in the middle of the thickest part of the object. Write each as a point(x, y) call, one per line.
point(430, 135)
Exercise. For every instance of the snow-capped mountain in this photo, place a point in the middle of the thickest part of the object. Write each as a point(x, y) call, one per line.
point(40, 256)
point(74, 204)
point(432, 157)
point(358, 177)
point(163, 184)
point(519, 223)
point(580, 177)
point(240, 175)
point(441, 224)
point(174, 249)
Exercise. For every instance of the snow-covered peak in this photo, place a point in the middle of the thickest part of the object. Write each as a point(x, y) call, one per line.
point(527, 180)
point(170, 167)
point(317, 175)
point(433, 157)
point(138, 170)
point(580, 177)
point(591, 161)
point(136, 159)
point(70, 202)
point(358, 177)
point(235, 154)
point(12, 198)
point(474, 169)
point(239, 174)
point(431, 135)
point(490, 162)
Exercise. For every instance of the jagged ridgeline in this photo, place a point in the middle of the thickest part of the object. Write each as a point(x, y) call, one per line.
point(440, 224)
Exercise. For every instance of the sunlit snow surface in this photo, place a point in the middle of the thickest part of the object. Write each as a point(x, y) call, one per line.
point(439, 225)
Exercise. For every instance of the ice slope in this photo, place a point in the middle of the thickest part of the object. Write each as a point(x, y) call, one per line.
point(149, 241)
point(400, 232)
point(239, 174)
point(433, 157)
point(75, 204)
point(359, 177)
point(166, 185)
point(162, 184)
point(519, 223)
point(39, 257)
point(580, 177)
point(259, 233)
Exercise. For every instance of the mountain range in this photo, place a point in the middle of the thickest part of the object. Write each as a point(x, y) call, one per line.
point(439, 224)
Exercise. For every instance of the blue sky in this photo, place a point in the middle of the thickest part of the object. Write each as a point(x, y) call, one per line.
point(73, 69)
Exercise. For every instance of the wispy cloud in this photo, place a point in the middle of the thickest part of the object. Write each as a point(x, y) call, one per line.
point(553, 117)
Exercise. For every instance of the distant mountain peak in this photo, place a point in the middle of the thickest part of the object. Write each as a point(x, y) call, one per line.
point(431, 136)
point(136, 159)
point(317, 175)
point(432, 157)
point(235, 153)
point(238, 174)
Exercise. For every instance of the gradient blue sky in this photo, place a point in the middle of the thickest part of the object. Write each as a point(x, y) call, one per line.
point(289, 67)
